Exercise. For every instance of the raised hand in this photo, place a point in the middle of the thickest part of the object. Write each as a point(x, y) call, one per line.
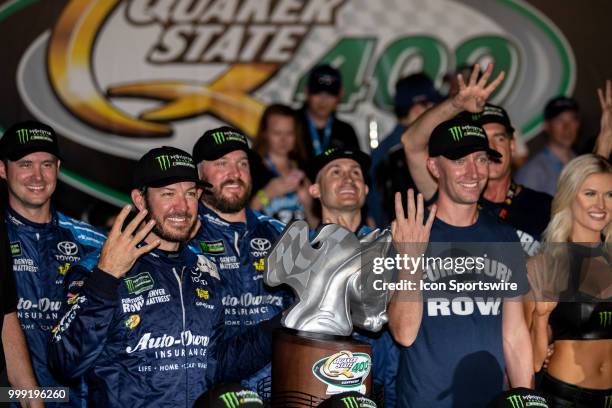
point(410, 235)
point(603, 145)
point(473, 95)
point(120, 250)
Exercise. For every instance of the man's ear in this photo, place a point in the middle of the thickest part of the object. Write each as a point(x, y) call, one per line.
point(314, 190)
point(432, 166)
point(2, 170)
point(138, 199)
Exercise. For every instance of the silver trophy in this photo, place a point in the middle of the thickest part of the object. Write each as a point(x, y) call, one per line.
point(332, 277)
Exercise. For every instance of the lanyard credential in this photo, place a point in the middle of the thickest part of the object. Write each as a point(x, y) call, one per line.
point(314, 135)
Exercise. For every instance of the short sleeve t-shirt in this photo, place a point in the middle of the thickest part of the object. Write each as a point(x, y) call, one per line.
point(457, 358)
point(528, 213)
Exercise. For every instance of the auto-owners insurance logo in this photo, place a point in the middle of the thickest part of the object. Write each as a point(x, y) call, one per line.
point(122, 77)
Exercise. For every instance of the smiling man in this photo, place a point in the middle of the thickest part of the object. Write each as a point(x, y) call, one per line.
point(465, 344)
point(44, 242)
point(146, 328)
point(526, 210)
point(234, 236)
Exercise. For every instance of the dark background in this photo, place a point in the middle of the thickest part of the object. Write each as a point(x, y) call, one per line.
point(584, 24)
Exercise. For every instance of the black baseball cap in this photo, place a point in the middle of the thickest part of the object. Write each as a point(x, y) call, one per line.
point(519, 398)
point(28, 137)
point(493, 114)
point(458, 137)
point(229, 395)
point(558, 105)
point(217, 142)
point(324, 78)
point(350, 399)
point(413, 89)
point(334, 153)
point(163, 166)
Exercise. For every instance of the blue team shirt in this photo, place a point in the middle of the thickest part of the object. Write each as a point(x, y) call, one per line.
point(457, 358)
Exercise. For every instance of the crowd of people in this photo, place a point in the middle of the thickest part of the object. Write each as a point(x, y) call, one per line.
point(166, 302)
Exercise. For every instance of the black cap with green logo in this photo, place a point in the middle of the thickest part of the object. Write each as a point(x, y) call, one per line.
point(229, 396)
point(458, 137)
point(28, 137)
point(215, 143)
point(163, 166)
point(492, 114)
point(335, 153)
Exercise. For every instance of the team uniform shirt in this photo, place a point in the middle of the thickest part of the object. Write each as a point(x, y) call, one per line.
point(238, 249)
point(41, 256)
point(527, 211)
point(154, 337)
point(8, 290)
point(457, 358)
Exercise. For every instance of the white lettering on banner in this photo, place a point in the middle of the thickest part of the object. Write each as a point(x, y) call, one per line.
point(167, 12)
point(186, 339)
point(463, 306)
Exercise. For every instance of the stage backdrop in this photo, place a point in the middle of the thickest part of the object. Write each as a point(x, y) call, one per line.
point(116, 78)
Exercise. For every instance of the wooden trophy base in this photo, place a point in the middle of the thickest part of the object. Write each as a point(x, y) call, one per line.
point(308, 368)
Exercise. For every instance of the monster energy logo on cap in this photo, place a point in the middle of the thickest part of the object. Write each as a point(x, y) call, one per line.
point(163, 161)
point(456, 132)
point(516, 401)
point(350, 402)
point(605, 319)
point(608, 401)
point(23, 135)
point(329, 151)
point(218, 137)
point(230, 399)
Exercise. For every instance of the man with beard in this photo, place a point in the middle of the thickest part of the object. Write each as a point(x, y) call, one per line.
point(526, 210)
point(44, 242)
point(147, 327)
point(236, 237)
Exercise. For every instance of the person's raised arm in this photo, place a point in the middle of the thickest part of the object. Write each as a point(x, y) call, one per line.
point(410, 238)
point(471, 97)
point(80, 335)
point(603, 144)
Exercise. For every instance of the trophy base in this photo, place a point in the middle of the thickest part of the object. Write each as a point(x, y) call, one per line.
point(308, 368)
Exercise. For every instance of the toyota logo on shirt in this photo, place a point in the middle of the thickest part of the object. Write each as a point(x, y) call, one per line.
point(67, 248)
point(260, 246)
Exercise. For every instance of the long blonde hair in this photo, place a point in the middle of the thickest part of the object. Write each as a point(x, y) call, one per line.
point(559, 228)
